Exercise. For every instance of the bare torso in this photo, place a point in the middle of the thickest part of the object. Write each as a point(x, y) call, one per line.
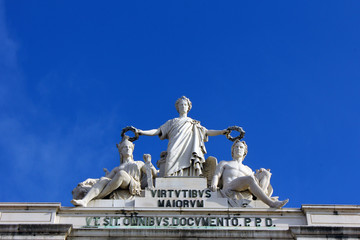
point(233, 170)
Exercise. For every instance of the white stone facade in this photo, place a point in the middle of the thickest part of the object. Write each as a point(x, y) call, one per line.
point(51, 221)
point(172, 211)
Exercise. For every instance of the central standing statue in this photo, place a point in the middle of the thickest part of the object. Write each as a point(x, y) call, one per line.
point(186, 148)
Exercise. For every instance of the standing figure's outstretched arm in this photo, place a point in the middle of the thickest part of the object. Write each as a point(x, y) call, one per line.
point(216, 132)
point(152, 132)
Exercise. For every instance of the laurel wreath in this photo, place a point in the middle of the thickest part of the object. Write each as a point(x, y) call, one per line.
point(235, 128)
point(132, 129)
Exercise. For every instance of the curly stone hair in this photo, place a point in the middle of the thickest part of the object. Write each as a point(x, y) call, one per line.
point(180, 99)
point(237, 141)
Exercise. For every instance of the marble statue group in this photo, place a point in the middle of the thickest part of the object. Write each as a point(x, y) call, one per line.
point(184, 157)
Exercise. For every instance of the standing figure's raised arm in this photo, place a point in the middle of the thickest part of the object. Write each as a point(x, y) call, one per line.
point(152, 132)
point(216, 132)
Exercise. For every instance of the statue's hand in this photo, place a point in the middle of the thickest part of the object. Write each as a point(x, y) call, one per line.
point(138, 131)
point(226, 131)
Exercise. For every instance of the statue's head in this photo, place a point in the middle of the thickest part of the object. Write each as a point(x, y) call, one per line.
point(125, 148)
point(241, 144)
point(182, 102)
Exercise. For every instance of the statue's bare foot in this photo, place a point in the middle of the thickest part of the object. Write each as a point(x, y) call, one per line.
point(279, 204)
point(78, 202)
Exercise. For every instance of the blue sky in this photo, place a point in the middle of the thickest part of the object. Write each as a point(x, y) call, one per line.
point(74, 73)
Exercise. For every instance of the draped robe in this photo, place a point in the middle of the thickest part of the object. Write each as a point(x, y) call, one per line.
point(186, 149)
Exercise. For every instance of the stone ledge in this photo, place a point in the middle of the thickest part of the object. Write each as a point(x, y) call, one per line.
point(188, 233)
point(78, 210)
point(224, 210)
point(35, 229)
point(325, 231)
point(329, 207)
point(29, 205)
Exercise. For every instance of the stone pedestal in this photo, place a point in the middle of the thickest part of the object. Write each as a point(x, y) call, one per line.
point(181, 183)
point(176, 192)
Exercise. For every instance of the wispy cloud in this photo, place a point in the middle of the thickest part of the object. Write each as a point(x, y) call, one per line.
point(9, 74)
point(44, 163)
point(41, 164)
point(8, 47)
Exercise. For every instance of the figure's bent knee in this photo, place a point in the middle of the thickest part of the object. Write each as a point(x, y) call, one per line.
point(122, 173)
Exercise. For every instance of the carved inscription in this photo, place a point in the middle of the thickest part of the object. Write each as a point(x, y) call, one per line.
point(138, 221)
point(195, 197)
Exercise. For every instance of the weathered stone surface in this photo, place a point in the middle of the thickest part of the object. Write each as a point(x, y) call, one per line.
point(106, 220)
point(181, 183)
point(325, 232)
point(35, 231)
point(332, 215)
point(181, 234)
point(108, 203)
